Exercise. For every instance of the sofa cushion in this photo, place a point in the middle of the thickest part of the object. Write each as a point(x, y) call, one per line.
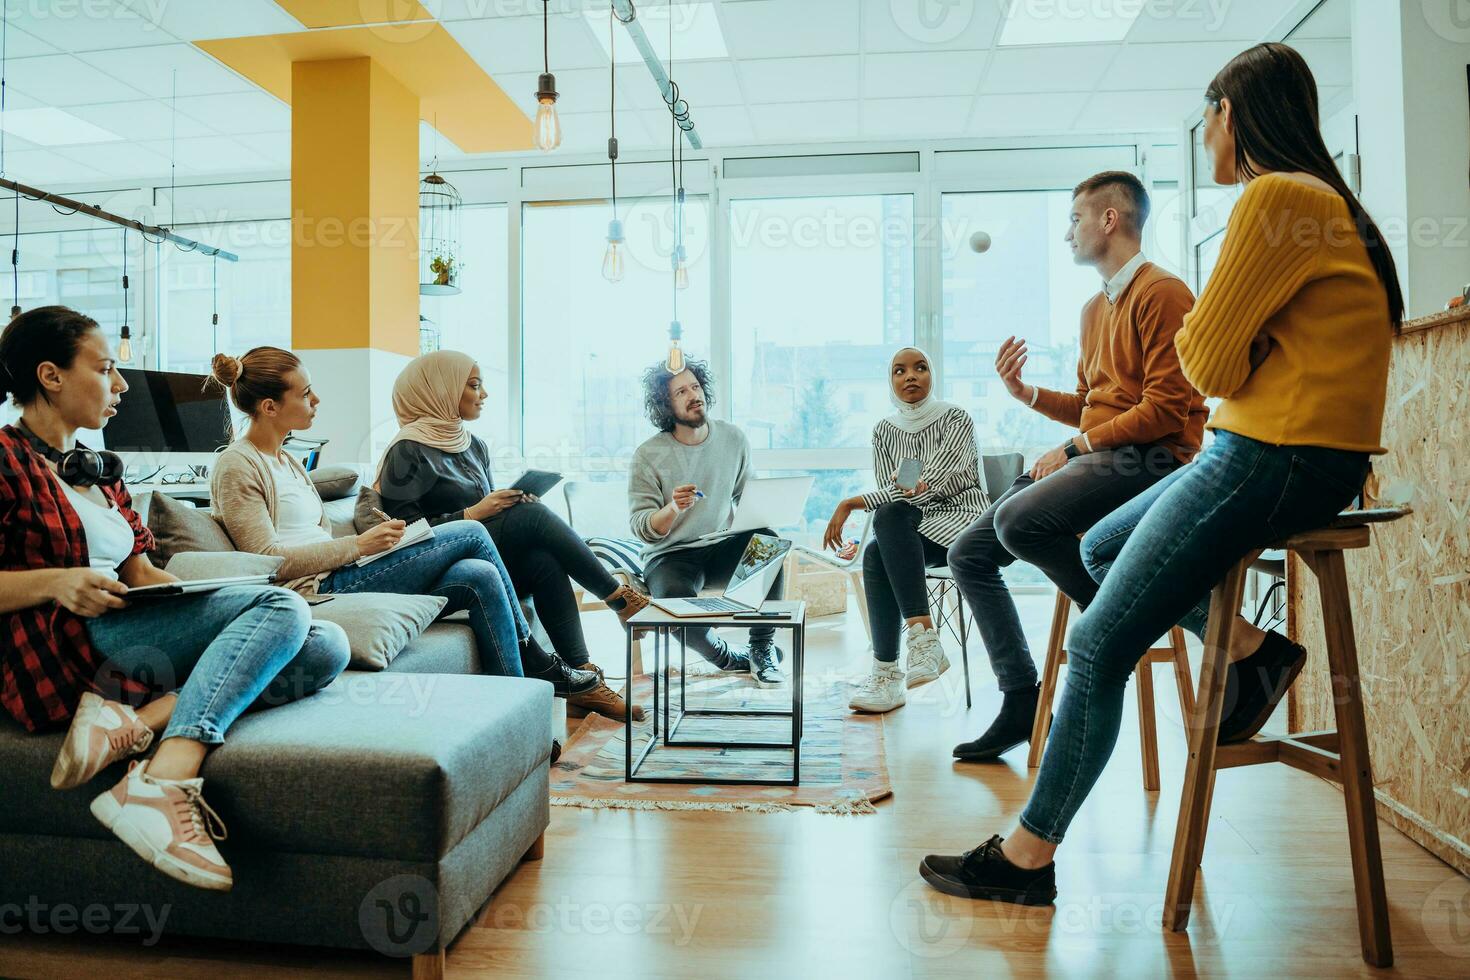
point(363, 518)
point(193, 566)
point(335, 482)
point(379, 625)
point(446, 647)
point(178, 527)
point(390, 765)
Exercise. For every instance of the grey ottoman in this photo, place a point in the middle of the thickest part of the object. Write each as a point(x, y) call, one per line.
point(377, 814)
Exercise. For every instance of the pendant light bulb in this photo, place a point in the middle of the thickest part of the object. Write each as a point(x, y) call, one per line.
point(548, 123)
point(613, 259)
point(125, 345)
point(681, 268)
point(675, 361)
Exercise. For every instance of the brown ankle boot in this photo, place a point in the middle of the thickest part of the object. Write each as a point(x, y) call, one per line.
point(633, 601)
point(603, 700)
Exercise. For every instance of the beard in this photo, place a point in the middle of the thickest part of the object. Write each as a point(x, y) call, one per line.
point(693, 419)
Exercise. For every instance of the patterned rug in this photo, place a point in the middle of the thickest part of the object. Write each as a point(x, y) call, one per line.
point(842, 766)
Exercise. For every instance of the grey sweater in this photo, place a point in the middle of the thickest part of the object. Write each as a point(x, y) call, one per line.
point(719, 467)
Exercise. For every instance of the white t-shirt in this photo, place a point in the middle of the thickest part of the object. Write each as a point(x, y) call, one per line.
point(298, 508)
point(109, 536)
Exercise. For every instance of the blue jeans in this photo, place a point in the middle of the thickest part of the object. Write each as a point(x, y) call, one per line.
point(221, 652)
point(461, 564)
point(1178, 540)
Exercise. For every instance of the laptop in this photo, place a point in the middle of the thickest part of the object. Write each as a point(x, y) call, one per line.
point(749, 585)
point(774, 502)
point(170, 590)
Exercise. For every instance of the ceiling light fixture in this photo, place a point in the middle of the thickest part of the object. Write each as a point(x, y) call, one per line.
point(1069, 23)
point(548, 124)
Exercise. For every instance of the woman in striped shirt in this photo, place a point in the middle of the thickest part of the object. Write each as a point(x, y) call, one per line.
point(913, 528)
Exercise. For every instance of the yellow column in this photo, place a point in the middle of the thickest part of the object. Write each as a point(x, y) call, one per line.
point(354, 252)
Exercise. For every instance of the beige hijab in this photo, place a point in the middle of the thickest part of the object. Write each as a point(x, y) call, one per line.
point(426, 400)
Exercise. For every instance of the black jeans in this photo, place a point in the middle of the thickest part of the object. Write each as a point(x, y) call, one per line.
point(542, 555)
point(893, 574)
point(1039, 522)
point(683, 573)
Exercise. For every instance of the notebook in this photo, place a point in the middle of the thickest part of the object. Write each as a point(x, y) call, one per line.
point(418, 531)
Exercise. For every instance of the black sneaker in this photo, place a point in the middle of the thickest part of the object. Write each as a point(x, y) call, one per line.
point(1012, 727)
point(985, 873)
point(565, 679)
point(765, 663)
point(1256, 684)
point(729, 660)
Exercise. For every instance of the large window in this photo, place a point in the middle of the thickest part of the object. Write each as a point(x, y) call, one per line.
point(253, 294)
point(1027, 285)
point(475, 320)
point(822, 293)
point(586, 341)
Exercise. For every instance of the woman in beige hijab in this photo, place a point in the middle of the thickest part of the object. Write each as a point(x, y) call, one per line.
point(436, 470)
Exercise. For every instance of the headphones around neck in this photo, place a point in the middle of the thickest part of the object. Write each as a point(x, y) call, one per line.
point(79, 467)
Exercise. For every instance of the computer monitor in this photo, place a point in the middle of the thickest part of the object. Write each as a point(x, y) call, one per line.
point(163, 412)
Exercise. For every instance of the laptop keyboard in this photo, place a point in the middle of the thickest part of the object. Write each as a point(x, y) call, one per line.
point(717, 604)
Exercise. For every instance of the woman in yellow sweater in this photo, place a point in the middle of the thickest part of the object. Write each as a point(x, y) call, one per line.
point(1292, 333)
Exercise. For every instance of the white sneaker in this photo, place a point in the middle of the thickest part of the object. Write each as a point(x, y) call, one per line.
point(168, 824)
point(882, 690)
point(926, 656)
point(101, 733)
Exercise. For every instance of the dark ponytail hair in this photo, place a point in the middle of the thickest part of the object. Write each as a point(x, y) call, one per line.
point(258, 375)
point(1274, 98)
point(46, 333)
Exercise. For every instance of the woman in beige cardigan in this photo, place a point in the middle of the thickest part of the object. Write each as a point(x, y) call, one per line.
point(269, 506)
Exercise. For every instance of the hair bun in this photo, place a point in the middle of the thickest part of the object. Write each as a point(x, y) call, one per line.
point(226, 369)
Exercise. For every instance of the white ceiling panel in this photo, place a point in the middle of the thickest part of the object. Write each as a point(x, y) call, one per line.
point(727, 125)
point(586, 132)
point(200, 20)
point(142, 120)
point(65, 80)
point(239, 112)
point(513, 44)
point(96, 25)
point(937, 118)
point(1144, 109)
point(917, 25)
point(151, 70)
point(46, 168)
point(801, 122)
point(1243, 21)
point(891, 76)
point(19, 44)
point(789, 28)
point(1073, 68)
point(210, 154)
point(1165, 66)
point(120, 159)
point(276, 147)
point(799, 79)
point(707, 83)
point(1001, 115)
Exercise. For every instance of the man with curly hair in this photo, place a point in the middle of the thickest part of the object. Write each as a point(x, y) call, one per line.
point(684, 483)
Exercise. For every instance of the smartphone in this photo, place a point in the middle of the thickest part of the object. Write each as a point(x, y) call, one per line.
point(908, 474)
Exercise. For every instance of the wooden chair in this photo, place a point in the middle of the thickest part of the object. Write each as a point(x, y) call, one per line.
point(1341, 755)
point(1143, 675)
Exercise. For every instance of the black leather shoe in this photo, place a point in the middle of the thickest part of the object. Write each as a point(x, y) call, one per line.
point(765, 663)
point(1258, 683)
point(1012, 727)
point(984, 872)
point(564, 678)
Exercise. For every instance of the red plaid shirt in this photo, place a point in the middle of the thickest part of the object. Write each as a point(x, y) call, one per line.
point(47, 662)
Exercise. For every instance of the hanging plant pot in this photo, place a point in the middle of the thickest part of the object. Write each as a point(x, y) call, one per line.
point(439, 208)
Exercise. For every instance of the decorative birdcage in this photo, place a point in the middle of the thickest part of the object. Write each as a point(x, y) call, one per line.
point(439, 208)
point(429, 338)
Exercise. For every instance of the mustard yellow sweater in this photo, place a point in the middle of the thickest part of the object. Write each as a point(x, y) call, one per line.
point(1295, 278)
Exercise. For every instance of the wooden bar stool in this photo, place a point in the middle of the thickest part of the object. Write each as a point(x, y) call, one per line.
point(1148, 740)
point(1341, 755)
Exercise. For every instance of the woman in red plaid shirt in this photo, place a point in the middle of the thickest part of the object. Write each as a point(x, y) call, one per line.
point(73, 547)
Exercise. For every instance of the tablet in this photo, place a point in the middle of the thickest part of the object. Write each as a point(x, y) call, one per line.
point(537, 482)
point(172, 590)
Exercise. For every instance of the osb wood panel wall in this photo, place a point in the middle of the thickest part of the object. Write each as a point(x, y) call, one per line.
point(1411, 600)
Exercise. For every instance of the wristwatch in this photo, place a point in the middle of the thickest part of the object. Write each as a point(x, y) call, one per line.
point(1071, 449)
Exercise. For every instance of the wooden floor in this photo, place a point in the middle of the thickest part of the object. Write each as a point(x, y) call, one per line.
point(713, 895)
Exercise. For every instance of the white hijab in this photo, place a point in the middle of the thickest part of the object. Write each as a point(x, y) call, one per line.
point(918, 416)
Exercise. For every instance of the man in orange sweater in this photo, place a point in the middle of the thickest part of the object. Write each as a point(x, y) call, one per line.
point(1138, 420)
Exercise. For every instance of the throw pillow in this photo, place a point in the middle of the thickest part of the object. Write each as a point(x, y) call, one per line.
point(191, 566)
point(379, 625)
point(363, 517)
point(334, 482)
point(177, 528)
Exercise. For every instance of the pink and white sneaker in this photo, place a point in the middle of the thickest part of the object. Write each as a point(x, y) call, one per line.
point(168, 824)
point(101, 733)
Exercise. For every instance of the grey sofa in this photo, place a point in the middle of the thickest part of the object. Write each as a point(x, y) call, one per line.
point(380, 813)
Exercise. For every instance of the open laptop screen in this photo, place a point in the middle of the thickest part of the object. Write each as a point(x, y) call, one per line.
point(757, 568)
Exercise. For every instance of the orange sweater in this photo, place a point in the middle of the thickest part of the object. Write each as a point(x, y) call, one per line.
point(1130, 390)
point(1294, 277)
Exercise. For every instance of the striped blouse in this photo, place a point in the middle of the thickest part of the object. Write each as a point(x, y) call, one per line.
point(955, 497)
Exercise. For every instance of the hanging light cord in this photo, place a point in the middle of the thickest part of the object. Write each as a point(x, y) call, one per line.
point(125, 277)
point(15, 240)
point(612, 104)
point(545, 42)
